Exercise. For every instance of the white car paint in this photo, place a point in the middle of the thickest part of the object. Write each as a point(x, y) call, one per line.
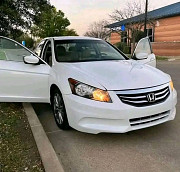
point(22, 82)
point(118, 75)
point(95, 117)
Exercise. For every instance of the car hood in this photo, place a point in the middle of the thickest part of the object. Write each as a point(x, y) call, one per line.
point(123, 74)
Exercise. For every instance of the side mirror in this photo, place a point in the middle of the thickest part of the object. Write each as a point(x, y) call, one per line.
point(141, 56)
point(31, 60)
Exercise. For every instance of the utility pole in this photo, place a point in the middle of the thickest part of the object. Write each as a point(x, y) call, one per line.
point(145, 19)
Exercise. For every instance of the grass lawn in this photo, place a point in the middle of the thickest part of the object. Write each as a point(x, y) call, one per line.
point(18, 151)
point(161, 58)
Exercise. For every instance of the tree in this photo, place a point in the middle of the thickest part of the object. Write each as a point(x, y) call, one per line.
point(98, 30)
point(29, 41)
point(131, 9)
point(134, 28)
point(52, 23)
point(70, 32)
point(18, 16)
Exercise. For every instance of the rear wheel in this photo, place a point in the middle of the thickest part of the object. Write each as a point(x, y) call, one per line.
point(59, 110)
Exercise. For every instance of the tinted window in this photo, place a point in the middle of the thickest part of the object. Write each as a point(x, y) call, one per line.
point(85, 50)
point(47, 55)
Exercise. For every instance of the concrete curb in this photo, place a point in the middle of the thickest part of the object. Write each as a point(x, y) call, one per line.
point(46, 151)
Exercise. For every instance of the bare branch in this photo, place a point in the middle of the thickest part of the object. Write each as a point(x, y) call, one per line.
point(131, 9)
point(98, 30)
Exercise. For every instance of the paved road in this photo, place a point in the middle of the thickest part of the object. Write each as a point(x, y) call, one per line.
point(148, 150)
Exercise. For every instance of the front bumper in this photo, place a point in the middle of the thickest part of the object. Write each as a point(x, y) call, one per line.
point(95, 117)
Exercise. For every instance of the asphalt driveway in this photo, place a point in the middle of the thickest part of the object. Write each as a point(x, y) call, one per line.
point(151, 149)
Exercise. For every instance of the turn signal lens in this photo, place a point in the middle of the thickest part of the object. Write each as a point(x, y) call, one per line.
point(87, 91)
point(171, 85)
point(101, 95)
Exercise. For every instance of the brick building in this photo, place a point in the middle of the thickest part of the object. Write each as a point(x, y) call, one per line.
point(164, 33)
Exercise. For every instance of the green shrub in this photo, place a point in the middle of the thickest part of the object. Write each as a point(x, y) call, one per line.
point(29, 41)
point(139, 35)
point(123, 47)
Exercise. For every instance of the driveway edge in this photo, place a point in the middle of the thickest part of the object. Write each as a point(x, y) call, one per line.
point(49, 158)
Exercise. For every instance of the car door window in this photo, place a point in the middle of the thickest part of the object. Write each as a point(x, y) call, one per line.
point(12, 51)
point(38, 49)
point(47, 56)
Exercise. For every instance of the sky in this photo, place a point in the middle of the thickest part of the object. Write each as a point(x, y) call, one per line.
point(81, 13)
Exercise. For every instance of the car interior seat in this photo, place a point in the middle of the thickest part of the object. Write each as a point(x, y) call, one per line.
point(73, 53)
point(48, 56)
point(61, 53)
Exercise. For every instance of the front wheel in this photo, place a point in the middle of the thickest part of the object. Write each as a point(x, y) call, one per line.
point(59, 110)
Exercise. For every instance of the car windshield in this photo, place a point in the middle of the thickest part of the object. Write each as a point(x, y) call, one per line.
point(85, 50)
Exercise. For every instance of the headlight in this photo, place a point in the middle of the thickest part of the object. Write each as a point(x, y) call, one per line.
point(171, 85)
point(88, 91)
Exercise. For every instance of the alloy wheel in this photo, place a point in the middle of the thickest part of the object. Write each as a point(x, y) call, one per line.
point(58, 108)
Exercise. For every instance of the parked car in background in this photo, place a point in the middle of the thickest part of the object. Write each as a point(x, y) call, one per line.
point(91, 85)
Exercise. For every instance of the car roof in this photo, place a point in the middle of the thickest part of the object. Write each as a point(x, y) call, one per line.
point(73, 38)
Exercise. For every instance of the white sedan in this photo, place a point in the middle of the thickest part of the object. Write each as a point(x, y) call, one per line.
point(91, 85)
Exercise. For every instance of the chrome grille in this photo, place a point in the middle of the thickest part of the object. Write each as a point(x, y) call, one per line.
point(142, 99)
point(148, 119)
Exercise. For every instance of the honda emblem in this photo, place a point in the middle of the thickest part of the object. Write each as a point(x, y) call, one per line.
point(151, 97)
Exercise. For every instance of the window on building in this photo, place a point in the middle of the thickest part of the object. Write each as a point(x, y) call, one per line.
point(150, 34)
point(124, 36)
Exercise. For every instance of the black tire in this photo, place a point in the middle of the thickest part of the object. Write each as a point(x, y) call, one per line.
point(59, 110)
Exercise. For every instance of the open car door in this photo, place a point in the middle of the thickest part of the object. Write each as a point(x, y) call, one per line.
point(143, 53)
point(23, 76)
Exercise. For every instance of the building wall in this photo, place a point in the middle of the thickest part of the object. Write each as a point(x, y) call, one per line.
point(167, 29)
point(166, 37)
point(115, 38)
point(166, 48)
